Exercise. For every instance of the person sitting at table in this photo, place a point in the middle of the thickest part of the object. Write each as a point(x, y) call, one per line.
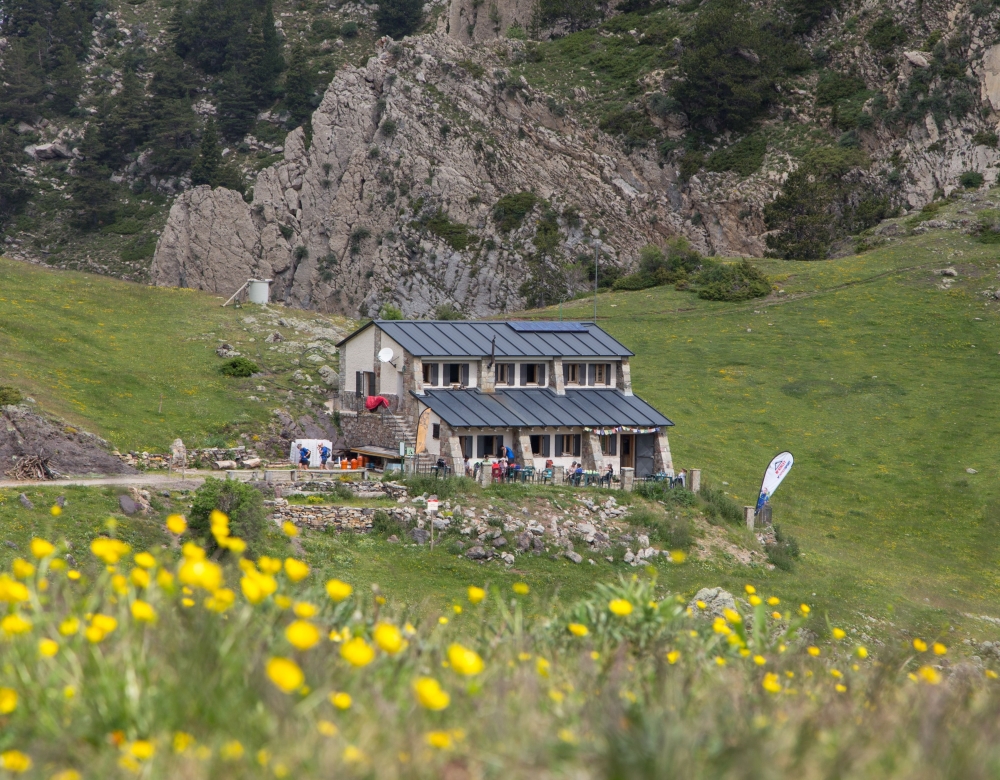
point(468, 467)
point(578, 474)
point(608, 475)
point(442, 466)
point(549, 463)
point(680, 479)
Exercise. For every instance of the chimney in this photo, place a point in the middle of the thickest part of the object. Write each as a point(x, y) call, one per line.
point(487, 376)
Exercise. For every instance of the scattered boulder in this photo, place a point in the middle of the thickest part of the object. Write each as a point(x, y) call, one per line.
point(274, 338)
point(127, 505)
point(477, 553)
point(224, 465)
point(524, 541)
point(393, 539)
point(715, 600)
point(574, 556)
point(25, 501)
point(916, 59)
point(946, 272)
point(226, 351)
point(500, 541)
point(420, 535)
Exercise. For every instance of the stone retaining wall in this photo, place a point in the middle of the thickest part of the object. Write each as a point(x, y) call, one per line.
point(343, 518)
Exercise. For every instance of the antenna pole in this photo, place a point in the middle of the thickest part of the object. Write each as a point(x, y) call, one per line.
point(596, 252)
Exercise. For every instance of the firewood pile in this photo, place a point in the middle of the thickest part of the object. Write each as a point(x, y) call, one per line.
point(32, 467)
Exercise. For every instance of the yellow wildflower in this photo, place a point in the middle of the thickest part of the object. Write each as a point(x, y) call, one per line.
point(203, 574)
point(770, 683)
point(231, 750)
point(22, 569)
point(700, 604)
point(119, 584)
point(145, 560)
point(288, 528)
point(804, 609)
point(326, 728)
point(139, 577)
point(464, 661)
point(521, 588)
point(840, 688)
point(15, 761)
point(542, 666)
point(142, 749)
point(773, 601)
point(73, 574)
point(8, 701)
point(282, 602)
point(620, 607)
point(15, 624)
point(302, 634)
point(673, 657)
point(991, 674)
point(578, 629)
point(341, 700)
point(862, 652)
point(429, 694)
point(256, 586)
point(48, 647)
point(732, 615)
point(939, 649)
point(55, 510)
point(567, 736)
point(839, 633)
point(920, 645)
point(269, 565)
point(143, 612)
point(100, 626)
point(750, 589)
point(176, 524)
point(337, 590)
point(755, 601)
point(476, 595)
point(165, 579)
point(388, 638)
point(759, 660)
point(40, 548)
point(109, 550)
point(182, 741)
point(720, 661)
point(69, 626)
point(813, 651)
point(352, 755)
point(776, 615)
point(193, 552)
point(220, 600)
point(304, 609)
point(357, 652)
point(296, 570)
point(678, 556)
point(285, 674)
point(440, 740)
point(929, 675)
point(67, 774)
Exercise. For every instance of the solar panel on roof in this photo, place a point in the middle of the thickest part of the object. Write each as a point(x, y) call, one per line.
point(549, 327)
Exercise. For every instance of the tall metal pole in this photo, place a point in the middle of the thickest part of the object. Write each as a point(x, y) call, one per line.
point(596, 252)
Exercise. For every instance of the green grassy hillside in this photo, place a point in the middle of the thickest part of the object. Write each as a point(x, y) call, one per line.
point(101, 353)
point(881, 383)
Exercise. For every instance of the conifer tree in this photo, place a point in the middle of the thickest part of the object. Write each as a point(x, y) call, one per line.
point(299, 86)
point(15, 187)
point(237, 110)
point(209, 161)
point(93, 192)
point(397, 18)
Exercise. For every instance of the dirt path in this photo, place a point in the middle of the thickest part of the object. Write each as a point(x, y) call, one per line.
point(191, 479)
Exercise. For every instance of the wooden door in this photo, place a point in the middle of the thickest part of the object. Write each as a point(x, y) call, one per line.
point(628, 451)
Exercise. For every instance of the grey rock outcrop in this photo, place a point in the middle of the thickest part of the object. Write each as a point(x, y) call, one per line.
point(422, 141)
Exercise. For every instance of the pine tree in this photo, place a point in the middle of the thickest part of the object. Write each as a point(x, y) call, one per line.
point(21, 87)
point(125, 125)
point(272, 62)
point(209, 162)
point(397, 18)
point(299, 87)
point(65, 80)
point(93, 192)
point(237, 109)
point(15, 187)
point(173, 127)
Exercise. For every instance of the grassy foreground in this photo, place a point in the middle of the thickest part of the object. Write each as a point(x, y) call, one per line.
point(881, 383)
point(165, 663)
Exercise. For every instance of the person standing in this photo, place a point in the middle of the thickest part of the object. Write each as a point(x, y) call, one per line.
point(324, 456)
point(304, 455)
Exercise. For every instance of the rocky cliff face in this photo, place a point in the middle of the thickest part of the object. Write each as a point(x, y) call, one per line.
point(394, 198)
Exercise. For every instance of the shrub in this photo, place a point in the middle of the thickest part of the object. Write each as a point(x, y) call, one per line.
point(987, 229)
point(10, 396)
point(456, 234)
point(719, 506)
point(349, 29)
point(385, 525)
point(390, 312)
point(661, 105)
point(443, 488)
point(784, 551)
point(447, 311)
point(243, 504)
point(885, 34)
point(986, 138)
point(834, 86)
point(737, 282)
point(509, 212)
point(971, 180)
point(388, 128)
point(239, 367)
point(631, 126)
point(632, 282)
point(744, 157)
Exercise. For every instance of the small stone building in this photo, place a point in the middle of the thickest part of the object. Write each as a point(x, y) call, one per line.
point(457, 390)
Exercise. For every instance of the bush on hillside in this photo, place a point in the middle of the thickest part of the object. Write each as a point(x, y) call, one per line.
point(785, 550)
point(971, 180)
point(744, 157)
point(10, 396)
point(987, 227)
point(242, 503)
point(509, 212)
point(398, 18)
point(349, 29)
point(737, 282)
point(669, 265)
point(720, 507)
point(239, 367)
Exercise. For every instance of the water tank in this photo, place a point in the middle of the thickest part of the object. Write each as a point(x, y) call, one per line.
point(258, 290)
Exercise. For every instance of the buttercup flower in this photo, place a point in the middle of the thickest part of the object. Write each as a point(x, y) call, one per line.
point(839, 633)
point(304, 609)
point(55, 510)
point(221, 600)
point(8, 700)
point(430, 694)
point(771, 683)
point(464, 661)
point(143, 612)
point(578, 629)
point(521, 588)
point(302, 634)
point(673, 657)
point(285, 674)
point(357, 652)
point(140, 578)
point(69, 626)
point(176, 524)
point(109, 550)
point(15, 761)
point(337, 590)
point(203, 574)
point(296, 570)
point(439, 739)
point(48, 647)
point(620, 607)
point(182, 741)
point(476, 595)
point(388, 638)
point(939, 649)
point(341, 700)
point(920, 645)
point(288, 528)
point(22, 569)
point(145, 560)
point(13, 625)
point(142, 749)
point(41, 548)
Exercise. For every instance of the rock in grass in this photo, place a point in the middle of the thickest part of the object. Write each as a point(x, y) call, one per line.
point(128, 506)
point(574, 556)
point(420, 535)
point(477, 553)
point(715, 600)
point(25, 501)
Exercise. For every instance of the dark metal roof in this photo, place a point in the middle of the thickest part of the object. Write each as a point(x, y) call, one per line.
point(458, 338)
point(541, 408)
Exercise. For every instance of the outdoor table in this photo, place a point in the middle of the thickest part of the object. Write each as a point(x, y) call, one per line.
point(590, 477)
point(527, 473)
point(440, 471)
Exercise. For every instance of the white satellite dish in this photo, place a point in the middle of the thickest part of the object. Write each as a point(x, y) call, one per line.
point(385, 355)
